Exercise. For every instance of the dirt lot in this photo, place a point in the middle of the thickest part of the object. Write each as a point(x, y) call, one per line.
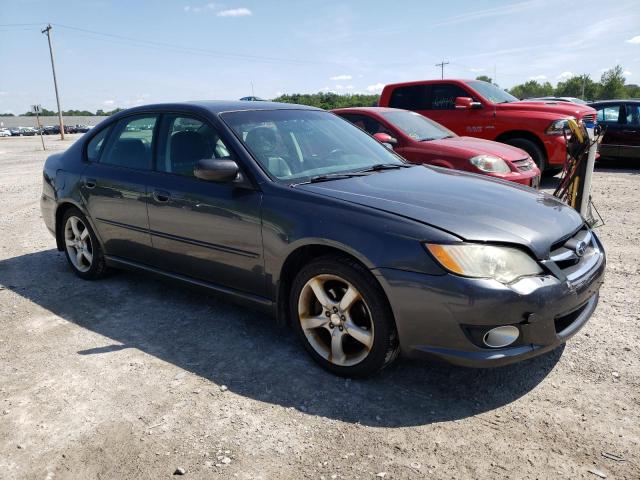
point(133, 378)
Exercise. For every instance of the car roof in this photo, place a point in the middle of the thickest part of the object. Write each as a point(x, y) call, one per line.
point(433, 80)
point(219, 106)
point(364, 110)
point(619, 100)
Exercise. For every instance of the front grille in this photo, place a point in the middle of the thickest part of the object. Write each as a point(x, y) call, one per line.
point(563, 322)
point(576, 255)
point(589, 118)
point(524, 165)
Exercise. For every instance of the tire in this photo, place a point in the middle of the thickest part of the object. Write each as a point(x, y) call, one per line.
point(551, 172)
point(534, 151)
point(364, 332)
point(82, 250)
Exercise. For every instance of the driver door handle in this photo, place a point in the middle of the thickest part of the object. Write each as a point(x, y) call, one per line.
point(161, 196)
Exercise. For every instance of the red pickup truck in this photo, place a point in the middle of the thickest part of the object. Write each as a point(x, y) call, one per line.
point(480, 109)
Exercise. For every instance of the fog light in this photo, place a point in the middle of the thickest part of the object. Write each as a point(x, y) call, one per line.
point(501, 336)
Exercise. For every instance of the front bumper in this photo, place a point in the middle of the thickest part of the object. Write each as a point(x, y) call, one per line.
point(530, 178)
point(556, 148)
point(437, 315)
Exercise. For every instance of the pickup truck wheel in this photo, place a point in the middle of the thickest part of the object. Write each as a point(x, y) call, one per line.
point(534, 151)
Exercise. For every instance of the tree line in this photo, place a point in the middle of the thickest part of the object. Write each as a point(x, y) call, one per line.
point(66, 113)
point(612, 85)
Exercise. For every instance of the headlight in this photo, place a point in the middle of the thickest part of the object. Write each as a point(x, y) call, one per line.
point(489, 163)
point(557, 127)
point(504, 264)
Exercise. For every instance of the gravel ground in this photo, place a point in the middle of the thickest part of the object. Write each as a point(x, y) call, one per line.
point(132, 377)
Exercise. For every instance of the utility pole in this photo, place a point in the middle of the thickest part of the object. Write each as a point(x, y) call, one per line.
point(441, 65)
point(47, 31)
point(584, 80)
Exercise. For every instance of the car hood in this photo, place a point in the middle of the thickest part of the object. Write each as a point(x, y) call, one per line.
point(472, 207)
point(559, 108)
point(468, 147)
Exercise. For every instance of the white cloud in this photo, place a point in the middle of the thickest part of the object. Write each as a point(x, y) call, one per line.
point(235, 12)
point(344, 87)
point(197, 9)
point(3, 93)
point(565, 75)
point(341, 77)
point(634, 40)
point(108, 103)
point(627, 73)
point(375, 88)
point(538, 77)
point(476, 70)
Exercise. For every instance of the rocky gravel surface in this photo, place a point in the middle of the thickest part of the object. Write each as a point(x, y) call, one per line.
point(132, 377)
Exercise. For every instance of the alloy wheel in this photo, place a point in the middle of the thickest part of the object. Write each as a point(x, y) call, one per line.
point(336, 320)
point(78, 243)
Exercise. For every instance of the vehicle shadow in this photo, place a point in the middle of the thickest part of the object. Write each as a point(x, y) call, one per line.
point(246, 351)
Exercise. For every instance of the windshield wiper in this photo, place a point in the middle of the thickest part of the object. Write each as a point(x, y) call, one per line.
point(330, 176)
point(384, 166)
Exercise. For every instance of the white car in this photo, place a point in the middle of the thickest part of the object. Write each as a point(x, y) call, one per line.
point(5, 132)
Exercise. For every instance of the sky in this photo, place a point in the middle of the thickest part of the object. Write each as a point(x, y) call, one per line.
point(121, 53)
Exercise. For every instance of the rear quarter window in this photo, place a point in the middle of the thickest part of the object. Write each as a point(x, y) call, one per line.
point(96, 144)
point(414, 97)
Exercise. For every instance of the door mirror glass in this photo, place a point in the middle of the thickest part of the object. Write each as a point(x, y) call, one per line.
point(386, 139)
point(217, 170)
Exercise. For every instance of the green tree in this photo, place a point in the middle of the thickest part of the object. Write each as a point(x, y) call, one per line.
point(612, 84)
point(484, 78)
point(531, 89)
point(572, 87)
point(329, 100)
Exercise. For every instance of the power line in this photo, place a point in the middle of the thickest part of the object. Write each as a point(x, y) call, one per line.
point(194, 50)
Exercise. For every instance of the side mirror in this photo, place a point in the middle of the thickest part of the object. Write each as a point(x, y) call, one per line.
point(466, 103)
point(385, 138)
point(217, 170)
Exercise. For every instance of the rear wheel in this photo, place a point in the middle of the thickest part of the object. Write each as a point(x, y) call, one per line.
point(342, 317)
point(81, 246)
point(534, 151)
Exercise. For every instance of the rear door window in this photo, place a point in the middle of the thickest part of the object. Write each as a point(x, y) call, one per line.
point(414, 97)
point(131, 144)
point(368, 124)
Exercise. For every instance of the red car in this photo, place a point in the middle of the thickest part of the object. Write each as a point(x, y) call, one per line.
point(480, 109)
point(421, 140)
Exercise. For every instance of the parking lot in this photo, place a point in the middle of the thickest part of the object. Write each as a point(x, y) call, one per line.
point(132, 377)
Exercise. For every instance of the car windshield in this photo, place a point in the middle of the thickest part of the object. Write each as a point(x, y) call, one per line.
point(416, 126)
point(297, 146)
point(491, 92)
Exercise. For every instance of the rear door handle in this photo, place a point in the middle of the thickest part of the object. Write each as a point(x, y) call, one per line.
point(628, 131)
point(161, 196)
point(90, 182)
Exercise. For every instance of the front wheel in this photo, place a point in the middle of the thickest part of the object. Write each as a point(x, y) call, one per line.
point(342, 317)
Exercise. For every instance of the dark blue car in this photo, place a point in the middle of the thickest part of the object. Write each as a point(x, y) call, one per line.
point(303, 215)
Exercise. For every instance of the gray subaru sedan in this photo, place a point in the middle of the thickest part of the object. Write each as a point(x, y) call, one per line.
point(295, 211)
